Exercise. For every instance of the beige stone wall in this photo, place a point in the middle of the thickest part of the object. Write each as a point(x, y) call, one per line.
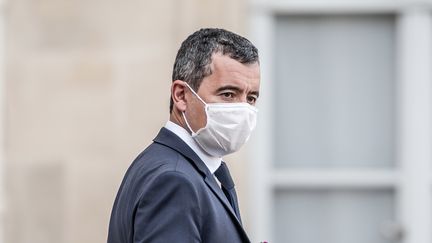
point(87, 88)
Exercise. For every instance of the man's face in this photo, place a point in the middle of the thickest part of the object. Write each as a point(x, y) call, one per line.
point(230, 82)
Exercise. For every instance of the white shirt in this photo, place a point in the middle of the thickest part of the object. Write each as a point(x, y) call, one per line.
point(211, 162)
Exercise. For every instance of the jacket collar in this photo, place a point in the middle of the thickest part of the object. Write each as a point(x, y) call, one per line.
point(170, 139)
point(211, 162)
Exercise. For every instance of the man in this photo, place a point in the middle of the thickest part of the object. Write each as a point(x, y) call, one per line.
point(178, 189)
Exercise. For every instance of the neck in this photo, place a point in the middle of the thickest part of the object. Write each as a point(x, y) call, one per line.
point(177, 118)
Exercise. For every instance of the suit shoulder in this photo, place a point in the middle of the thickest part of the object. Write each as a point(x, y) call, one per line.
point(174, 178)
point(157, 159)
point(168, 158)
point(157, 155)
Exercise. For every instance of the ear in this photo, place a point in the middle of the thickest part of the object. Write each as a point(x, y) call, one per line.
point(178, 95)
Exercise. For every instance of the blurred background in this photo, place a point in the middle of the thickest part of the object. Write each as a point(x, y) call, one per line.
point(341, 154)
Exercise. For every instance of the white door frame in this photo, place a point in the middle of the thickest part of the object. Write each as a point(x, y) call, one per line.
point(411, 179)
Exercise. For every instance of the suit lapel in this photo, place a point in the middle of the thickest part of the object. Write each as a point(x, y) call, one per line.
point(168, 138)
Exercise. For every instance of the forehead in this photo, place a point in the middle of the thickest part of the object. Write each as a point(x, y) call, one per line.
point(225, 70)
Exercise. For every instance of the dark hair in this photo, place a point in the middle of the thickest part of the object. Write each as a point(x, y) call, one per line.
point(192, 63)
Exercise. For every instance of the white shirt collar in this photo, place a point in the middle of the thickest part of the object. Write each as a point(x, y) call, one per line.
point(211, 162)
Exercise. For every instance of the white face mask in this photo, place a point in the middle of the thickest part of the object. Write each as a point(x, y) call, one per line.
point(228, 127)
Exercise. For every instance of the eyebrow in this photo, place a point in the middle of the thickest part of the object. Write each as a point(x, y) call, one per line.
point(235, 88)
point(255, 93)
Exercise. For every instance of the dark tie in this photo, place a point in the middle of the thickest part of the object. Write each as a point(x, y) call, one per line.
point(227, 184)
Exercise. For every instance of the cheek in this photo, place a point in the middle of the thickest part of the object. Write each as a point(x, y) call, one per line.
point(201, 119)
point(197, 116)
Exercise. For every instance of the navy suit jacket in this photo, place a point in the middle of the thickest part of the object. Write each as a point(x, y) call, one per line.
point(168, 195)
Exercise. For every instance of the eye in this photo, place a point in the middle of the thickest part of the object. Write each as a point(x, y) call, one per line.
point(227, 95)
point(251, 99)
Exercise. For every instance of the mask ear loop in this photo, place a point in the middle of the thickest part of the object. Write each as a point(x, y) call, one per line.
point(187, 124)
point(193, 91)
point(205, 109)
